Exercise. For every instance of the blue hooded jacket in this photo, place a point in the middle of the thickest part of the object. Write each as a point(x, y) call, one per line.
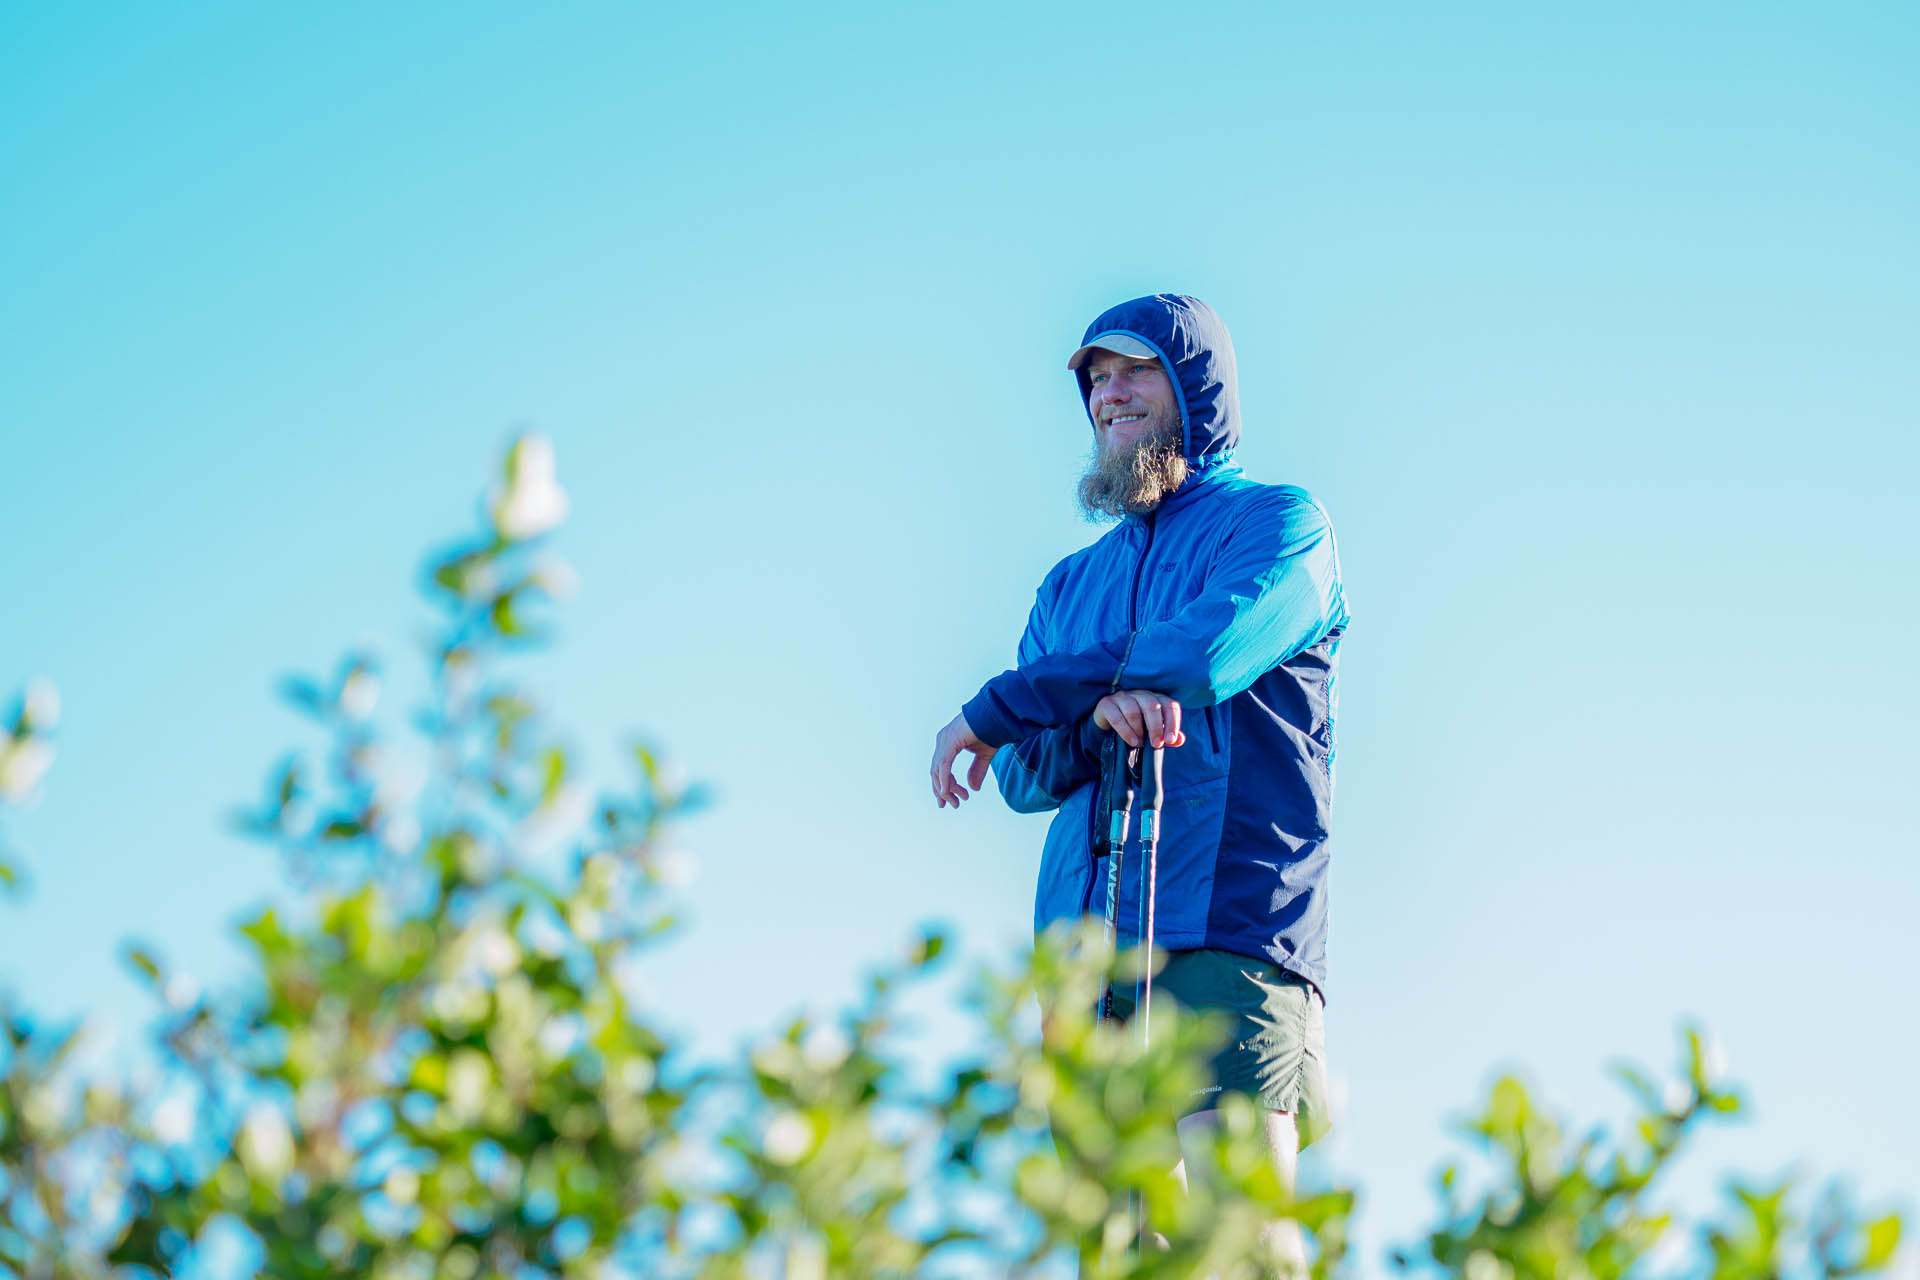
point(1227, 597)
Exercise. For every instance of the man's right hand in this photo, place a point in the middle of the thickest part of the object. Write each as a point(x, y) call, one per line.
point(1141, 717)
point(955, 737)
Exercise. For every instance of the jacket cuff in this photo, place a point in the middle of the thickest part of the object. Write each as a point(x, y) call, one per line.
point(1088, 736)
point(983, 717)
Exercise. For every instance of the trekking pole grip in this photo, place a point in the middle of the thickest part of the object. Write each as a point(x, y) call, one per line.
point(1147, 774)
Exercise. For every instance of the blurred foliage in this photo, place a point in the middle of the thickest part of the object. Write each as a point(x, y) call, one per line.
point(1552, 1208)
point(26, 753)
point(441, 1064)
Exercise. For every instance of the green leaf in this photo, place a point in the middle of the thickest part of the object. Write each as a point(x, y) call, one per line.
point(430, 1073)
point(553, 775)
point(502, 615)
point(289, 786)
point(143, 960)
point(648, 761)
point(927, 947)
point(266, 933)
point(1883, 1237)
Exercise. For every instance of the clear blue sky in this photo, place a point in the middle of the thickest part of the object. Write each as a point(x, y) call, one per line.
point(1596, 334)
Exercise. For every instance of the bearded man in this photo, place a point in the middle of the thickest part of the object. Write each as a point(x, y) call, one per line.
point(1207, 621)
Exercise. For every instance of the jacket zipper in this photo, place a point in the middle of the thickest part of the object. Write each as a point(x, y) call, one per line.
point(1133, 597)
point(1096, 838)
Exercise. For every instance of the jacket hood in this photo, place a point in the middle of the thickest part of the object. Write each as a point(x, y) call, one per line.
point(1193, 344)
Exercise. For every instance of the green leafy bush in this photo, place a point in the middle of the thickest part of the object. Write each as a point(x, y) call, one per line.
point(437, 1066)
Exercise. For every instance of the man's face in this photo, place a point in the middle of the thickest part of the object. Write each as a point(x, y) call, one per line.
point(1137, 459)
point(1130, 399)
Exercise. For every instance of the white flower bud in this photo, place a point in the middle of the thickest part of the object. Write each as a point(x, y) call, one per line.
point(42, 704)
point(23, 762)
point(676, 868)
point(496, 952)
point(469, 1078)
point(558, 1037)
point(359, 693)
point(789, 1137)
point(180, 991)
point(172, 1120)
point(1713, 1058)
point(556, 577)
point(806, 1260)
point(825, 1046)
point(402, 1185)
point(266, 1143)
point(532, 501)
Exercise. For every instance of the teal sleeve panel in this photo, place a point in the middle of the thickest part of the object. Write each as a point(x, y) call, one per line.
point(1272, 591)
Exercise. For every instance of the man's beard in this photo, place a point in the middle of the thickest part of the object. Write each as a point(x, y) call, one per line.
point(1134, 479)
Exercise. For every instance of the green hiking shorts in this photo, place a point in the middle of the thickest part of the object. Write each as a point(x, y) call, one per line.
point(1276, 1052)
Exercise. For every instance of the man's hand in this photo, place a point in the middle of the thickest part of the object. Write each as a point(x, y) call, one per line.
point(1141, 717)
point(958, 736)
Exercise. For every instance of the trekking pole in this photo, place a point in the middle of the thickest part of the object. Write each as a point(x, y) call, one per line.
point(1117, 788)
point(1147, 776)
point(1144, 775)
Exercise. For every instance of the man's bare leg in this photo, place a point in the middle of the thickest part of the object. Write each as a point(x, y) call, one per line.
point(1283, 1148)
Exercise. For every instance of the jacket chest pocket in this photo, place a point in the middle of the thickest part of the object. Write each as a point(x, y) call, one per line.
point(1170, 579)
point(1086, 617)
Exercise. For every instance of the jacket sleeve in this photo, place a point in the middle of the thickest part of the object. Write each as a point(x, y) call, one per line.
point(1040, 771)
point(1273, 590)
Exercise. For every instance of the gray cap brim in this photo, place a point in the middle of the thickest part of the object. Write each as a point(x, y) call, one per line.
point(1119, 343)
